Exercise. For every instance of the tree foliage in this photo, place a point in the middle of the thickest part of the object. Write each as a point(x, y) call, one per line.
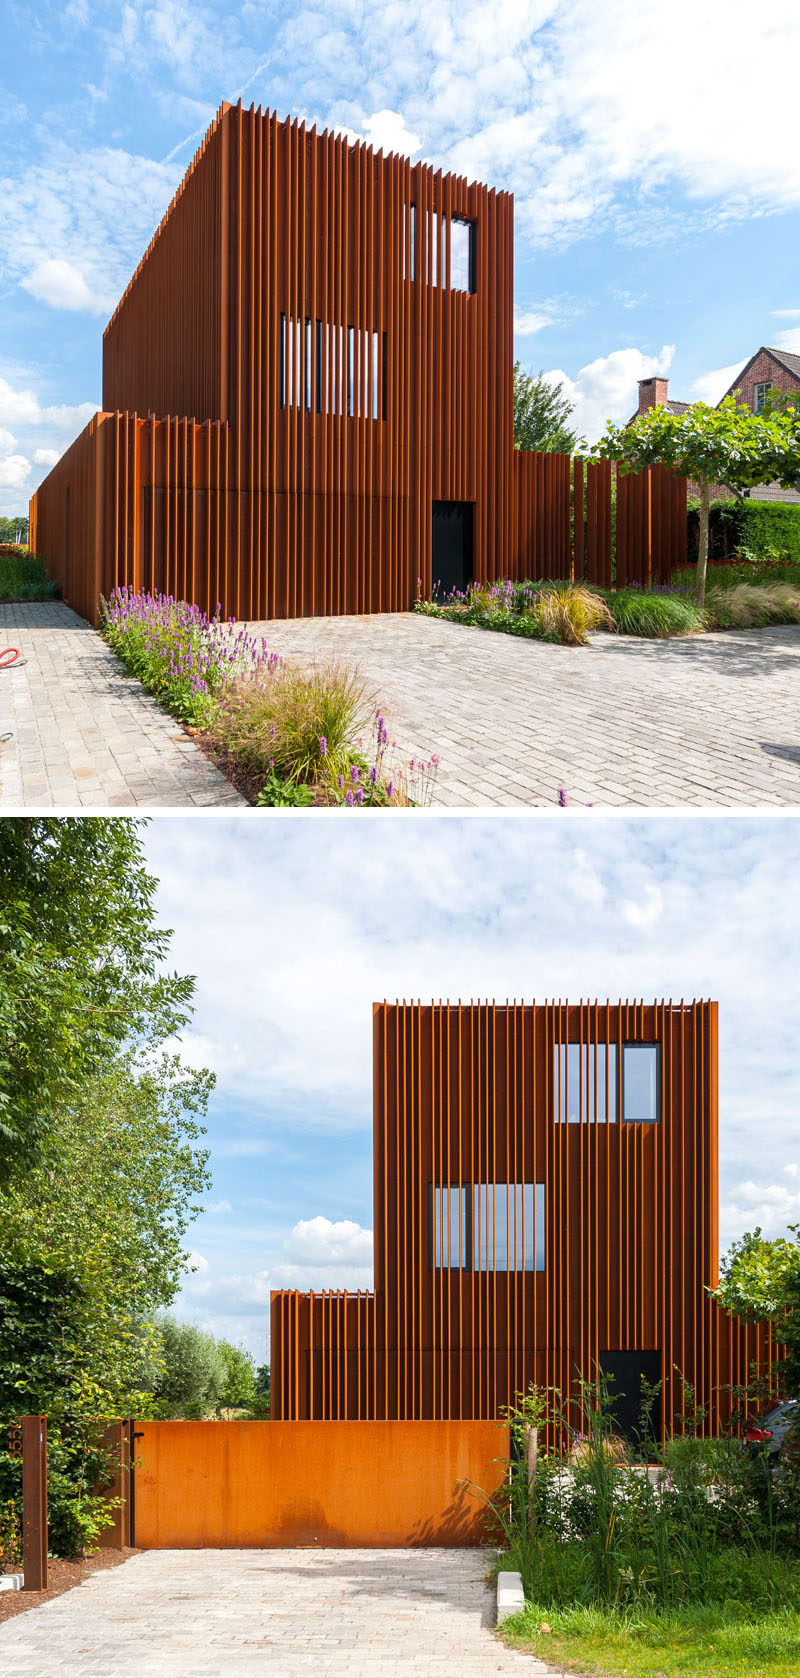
point(93, 1239)
point(541, 414)
point(80, 967)
point(724, 445)
point(14, 529)
point(760, 1281)
point(199, 1375)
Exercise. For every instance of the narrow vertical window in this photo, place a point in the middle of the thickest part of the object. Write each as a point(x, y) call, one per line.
point(351, 352)
point(298, 365)
point(641, 1083)
point(462, 254)
point(318, 371)
point(434, 248)
point(452, 1237)
point(412, 241)
point(308, 367)
point(586, 1083)
point(508, 1226)
point(282, 363)
point(375, 380)
point(384, 376)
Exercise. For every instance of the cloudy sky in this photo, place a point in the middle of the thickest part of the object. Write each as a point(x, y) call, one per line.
point(651, 150)
point(294, 927)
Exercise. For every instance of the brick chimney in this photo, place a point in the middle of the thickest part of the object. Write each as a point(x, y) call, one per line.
point(652, 394)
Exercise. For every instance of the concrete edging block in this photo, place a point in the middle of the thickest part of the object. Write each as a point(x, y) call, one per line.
point(11, 1581)
point(510, 1595)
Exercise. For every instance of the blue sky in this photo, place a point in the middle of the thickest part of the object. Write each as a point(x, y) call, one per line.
point(295, 926)
point(651, 150)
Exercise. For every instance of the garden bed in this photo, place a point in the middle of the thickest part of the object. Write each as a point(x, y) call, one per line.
point(285, 733)
point(741, 597)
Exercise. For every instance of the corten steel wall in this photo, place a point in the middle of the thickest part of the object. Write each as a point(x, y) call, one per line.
point(282, 237)
point(467, 1094)
point(333, 510)
point(144, 503)
point(651, 525)
point(271, 1485)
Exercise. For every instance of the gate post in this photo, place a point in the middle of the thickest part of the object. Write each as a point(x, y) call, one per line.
point(34, 1503)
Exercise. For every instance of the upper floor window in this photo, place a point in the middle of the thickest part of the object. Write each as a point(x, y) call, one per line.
point(462, 254)
point(488, 1226)
point(641, 1083)
point(331, 369)
point(586, 1083)
point(760, 396)
point(449, 249)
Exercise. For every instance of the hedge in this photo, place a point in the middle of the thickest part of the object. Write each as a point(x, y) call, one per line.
point(757, 526)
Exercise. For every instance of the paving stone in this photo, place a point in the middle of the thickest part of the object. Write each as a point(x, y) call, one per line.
point(622, 722)
point(84, 734)
point(343, 1613)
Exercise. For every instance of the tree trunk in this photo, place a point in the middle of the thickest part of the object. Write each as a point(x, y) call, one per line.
point(702, 546)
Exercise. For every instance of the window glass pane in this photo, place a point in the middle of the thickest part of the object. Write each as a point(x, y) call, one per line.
point(641, 1083)
point(450, 1227)
point(601, 1082)
point(308, 367)
point(508, 1226)
point(460, 255)
point(586, 1083)
point(412, 264)
point(282, 373)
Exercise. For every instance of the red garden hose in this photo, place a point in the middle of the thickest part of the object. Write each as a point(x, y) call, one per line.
point(7, 661)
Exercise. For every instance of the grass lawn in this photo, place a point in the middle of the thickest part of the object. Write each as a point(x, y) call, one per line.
point(23, 577)
point(725, 1641)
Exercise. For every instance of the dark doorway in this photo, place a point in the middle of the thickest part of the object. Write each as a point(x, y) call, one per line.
point(624, 1372)
point(451, 551)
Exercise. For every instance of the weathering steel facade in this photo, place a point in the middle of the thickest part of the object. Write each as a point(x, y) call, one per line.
point(545, 1203)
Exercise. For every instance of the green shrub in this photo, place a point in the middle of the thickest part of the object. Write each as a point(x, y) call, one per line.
point(648, 612)
point(23, 577)
point(293, 723)
point(545, 611)
point(759, 528)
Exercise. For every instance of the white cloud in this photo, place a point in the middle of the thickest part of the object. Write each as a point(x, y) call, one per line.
point(23, 408)
point(711, 387)
point(786, 314)
point(529, 321)
point(319, 1242)
point(15, 471)
point(63, 286)
point(645, 910)
point(772, 1206)
point(41, 431)
point(46, 457)
point(788, 340)
point(196, 1263)
point(387, 132)
point(606, 389)
point(215, 1207)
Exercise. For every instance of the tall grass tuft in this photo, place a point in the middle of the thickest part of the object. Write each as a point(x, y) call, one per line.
point(753, 605)
point(301, 721)
point(655, 614)
point(23, 576)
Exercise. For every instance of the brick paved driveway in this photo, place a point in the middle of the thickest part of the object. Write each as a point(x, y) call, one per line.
point(713, 719)
point(82, 731)
point(203, 1613)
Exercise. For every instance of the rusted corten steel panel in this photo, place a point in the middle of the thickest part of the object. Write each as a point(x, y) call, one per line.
point(624, 1220)
point(264, 1485)
point(344, 321)
point(651, 526)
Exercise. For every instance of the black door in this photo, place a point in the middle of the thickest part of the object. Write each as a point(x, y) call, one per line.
point(452, 547)
point(624, 1372)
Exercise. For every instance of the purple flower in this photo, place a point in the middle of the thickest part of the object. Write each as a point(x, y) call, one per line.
point(323, 746)
point(360, 796)
point(349, 798)
point(562, 797)
point(354, 771)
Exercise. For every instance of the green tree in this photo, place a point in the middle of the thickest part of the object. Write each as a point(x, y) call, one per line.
point(239, 1391)
point(80, 967)
point(541, 413)
point(760, 1282)
point(724, 445)
point(93, 1239)
point(261, 1400)
point(14, 529)
point(193, 1373)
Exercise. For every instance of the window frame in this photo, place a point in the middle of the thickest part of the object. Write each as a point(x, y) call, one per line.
point(650, 1044)
point(760, 393)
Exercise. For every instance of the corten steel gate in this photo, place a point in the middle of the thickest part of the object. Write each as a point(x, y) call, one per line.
point(274, 1485)
point(334, 330)
point(624, 1219)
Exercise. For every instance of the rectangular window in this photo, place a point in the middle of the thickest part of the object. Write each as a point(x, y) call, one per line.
point(508, 1225)
point(641, 1083)
point(462, 254)
point(318, 371)
point(760, 394)
point(375, 376)
point(308, 367)
point(351, 360)
point(412, 241)
point(490, 1227)
point(383, 378)
point(585, 1077)
point(452, 1230)
point(433, 260)
point(282, 366)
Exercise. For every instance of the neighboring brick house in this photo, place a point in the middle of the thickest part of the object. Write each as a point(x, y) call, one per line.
point(767, 369)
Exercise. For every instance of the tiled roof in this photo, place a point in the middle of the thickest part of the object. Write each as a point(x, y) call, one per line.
point(789, 361)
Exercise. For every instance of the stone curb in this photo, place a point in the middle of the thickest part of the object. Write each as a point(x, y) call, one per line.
point(11, 1581)
point(510, 1595)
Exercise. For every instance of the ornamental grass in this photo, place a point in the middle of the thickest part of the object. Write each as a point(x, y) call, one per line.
point(753, 605)
point(655, 612)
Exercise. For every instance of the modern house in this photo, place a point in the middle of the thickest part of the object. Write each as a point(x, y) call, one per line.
point(308, 399)
point(545, 1204)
